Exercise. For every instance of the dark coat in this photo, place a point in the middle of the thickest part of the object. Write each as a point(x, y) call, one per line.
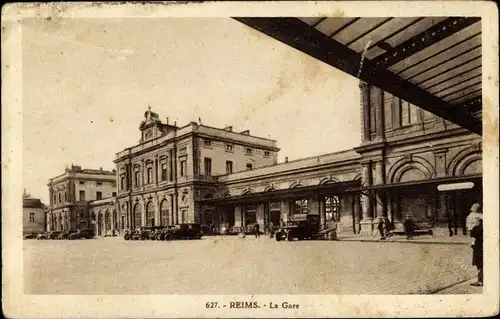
point(409, 226)
point(477, 249)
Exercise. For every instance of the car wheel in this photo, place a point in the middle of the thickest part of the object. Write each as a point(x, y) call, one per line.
point(277, 235)
point(168, 237)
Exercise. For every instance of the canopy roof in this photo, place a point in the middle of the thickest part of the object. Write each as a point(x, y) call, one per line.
point(431, 62)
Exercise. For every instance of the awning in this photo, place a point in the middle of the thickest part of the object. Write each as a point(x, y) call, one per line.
point(431, 62)
point(289, 193)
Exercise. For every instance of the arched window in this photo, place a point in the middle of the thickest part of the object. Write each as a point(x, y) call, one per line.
point(150, 215)
point(137, 216)
point(164, 213)
point(332, 208)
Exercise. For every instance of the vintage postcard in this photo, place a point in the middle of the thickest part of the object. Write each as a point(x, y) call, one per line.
point(250, 159)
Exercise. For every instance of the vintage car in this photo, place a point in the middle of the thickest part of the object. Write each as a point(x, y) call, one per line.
point(43, 235)
point(184, 231)
point(86, 233)
point(127, 234)
point(30, 236)
point(65, 234)
point(141, 233)
point(54, 235)
point(300, 226)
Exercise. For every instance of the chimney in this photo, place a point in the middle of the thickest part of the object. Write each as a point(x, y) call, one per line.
point(286, 159)
point(100, 168)
point(246, 132)
point(228, 128)
point(167, 120)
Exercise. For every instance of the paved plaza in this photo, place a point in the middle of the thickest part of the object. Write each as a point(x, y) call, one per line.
point(230, 265)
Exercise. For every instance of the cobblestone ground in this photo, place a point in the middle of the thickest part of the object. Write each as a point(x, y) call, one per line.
point(241, 266)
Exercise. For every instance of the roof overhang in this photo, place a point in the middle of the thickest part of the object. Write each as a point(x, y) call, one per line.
point(433, 63)
point(289, 193)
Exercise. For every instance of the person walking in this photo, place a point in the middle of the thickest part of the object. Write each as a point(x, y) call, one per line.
point(381, 228)
point(477, 250)
point(475, 213)
point(256, 230)
point(409, 226)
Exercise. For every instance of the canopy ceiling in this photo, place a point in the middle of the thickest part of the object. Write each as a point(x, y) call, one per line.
point(431, 62)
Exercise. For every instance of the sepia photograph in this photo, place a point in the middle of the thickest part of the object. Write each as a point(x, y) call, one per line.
point(248, 164)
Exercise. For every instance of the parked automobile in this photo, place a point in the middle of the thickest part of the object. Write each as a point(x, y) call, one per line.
point(43, 235)
point(127, 234)
point(86, 233)
point(300, 226)
point(65, 234)
point(141, 233)
point(54, 234)
point(30, 236)
point(184, 231)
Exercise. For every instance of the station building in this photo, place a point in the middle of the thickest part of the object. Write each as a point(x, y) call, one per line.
point(72, 193)
point(200, 174)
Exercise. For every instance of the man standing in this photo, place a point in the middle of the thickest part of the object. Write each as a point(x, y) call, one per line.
point(475, 213)
point(409, 227)
point(477, 250)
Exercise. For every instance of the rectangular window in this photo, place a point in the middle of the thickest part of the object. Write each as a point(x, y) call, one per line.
point(99, 195)
point(208, 166)
point(229, 148)
point(266, 154)
point(99, 183)
point(81, 183)
point(164, 171)
point(150, 175)
point(122, 182)
point(113, 194)
point(183, 167)
point(249, 151)
point(207, 143)
point(60, 197)
point(249, 167)
point(32, 217)
point(82, 196)
point(136, 178)
point(55, 198)
point(229, 167)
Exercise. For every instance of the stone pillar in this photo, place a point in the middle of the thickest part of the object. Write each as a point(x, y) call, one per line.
point(322, 213)
point(285, 210)
point(390, 212)
point(259, 210)
point(379, 109)
point(143, 213)
point(440, 159)
point(357, 212)
point(380, 196)
point(365, 110)
point(157, 212)
point(173, 210)
point(155, 170)
point(367, 204)
point(143, 173)
point(238, 218)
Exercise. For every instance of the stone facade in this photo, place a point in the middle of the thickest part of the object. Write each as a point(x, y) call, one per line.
point(34, 212)
point(71, 192)
point(161, 179)
point(217, 177)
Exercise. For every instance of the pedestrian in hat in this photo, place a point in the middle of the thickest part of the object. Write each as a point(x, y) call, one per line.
point(409, 226)
point(477, 249)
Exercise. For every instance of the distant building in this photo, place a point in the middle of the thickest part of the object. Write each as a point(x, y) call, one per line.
point(71, 192)
point(34, 219)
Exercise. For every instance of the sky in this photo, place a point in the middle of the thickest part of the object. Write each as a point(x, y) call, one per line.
point(87, 83)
